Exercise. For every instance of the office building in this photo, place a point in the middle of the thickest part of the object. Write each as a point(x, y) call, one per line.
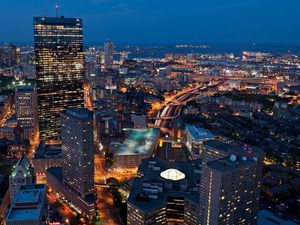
point(108, 55)
point(140, 144)
point(215, 150)
point(78, 150)
point(45, 157)
point(140, 121)
point(194, 138)
point(13, 55)
point(26, 110)
point(29, 206)
point(22, 174)
point(59, 70)
point(165, 193)
point(231, 196)
point(75, 179)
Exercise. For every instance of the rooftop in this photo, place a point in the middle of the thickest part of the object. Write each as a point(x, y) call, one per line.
point(139, 142)
point(161, 179)
point(234, 148)
point(48, 151)
point(230, 163)
point(79, 113)
point(28, 203)
point(199, 133)
point(25, 88)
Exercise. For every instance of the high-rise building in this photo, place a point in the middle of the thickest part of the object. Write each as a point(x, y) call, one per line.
point(26, 109)
point(1, 57)
point(59, 70)
point(78, 150)
point(215, 150)
point(165, 193)
point(29, 206)
point(13, 57)
point(108, 55)
point(21, 175)
point(231, 196)
point(75, 179)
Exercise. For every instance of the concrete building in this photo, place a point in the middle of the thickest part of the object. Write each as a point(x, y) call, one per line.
point(108, 55)
point(231, 196)
point(26, 110)
point(75, 179)
point(194, 138)
point(140, 121)
point(215, 150)
point(165, 193)
point(46, 156)
point(29, 206)
point(22, 174)
point(139, 145)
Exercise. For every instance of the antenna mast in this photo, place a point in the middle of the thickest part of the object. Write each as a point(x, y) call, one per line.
point(56, 10)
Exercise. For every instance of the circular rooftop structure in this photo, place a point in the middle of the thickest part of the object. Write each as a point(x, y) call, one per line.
point(172, 174)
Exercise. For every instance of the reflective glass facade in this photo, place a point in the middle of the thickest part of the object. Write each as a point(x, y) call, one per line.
point(59, 70)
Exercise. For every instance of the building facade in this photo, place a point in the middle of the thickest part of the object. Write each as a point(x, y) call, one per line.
point(78, 150)
point(59, 70)
point(26, 110)
point(215, 150)
point(108, 55)
point(230, 191)
point(29, 206)
point(22, 174)
point(165, 193)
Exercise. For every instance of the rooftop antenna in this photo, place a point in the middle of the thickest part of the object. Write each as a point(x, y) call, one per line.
point(46, 12)
point(56, 10)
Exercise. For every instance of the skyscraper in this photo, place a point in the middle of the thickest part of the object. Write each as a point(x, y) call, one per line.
point(216, 150)
point(231, 191)
point(77, 150)
point(26, 109)
point(59, 70)
point(13, 57)
point(108, 55)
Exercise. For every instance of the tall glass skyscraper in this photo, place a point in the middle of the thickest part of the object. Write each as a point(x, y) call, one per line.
point(59, 70)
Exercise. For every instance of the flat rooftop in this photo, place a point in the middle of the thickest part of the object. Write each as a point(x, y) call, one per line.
point(79, 113)
point(27, 197)
point(199, 133)
point(48, 151)
point(181, 179)
point(28, 203)
point(139, 142)
point(24, 214)
point(233, 148)
point(231, 163)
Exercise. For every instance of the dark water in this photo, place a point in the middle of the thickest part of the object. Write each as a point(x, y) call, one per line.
point(159, 50)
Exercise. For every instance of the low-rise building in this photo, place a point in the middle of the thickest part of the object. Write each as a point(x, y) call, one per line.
point(140, 144)
point(46, 156)
point(194, 138)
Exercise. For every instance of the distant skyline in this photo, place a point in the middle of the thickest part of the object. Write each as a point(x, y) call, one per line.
point(162, 21)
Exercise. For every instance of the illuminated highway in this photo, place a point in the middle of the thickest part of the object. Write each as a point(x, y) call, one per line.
point(172, 107)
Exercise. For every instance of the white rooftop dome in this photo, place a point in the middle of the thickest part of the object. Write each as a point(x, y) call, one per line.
point(172, 174)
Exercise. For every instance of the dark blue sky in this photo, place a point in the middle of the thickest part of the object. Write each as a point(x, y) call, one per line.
point(163, 21)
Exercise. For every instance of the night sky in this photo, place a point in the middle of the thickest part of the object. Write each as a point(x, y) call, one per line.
point(162, 21)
